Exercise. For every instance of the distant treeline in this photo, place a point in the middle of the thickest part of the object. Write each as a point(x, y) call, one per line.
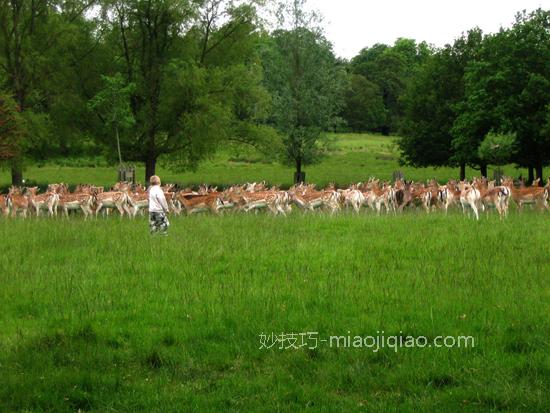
point(139, 81)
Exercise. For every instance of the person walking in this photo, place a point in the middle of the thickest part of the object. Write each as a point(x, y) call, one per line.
point(158, 208)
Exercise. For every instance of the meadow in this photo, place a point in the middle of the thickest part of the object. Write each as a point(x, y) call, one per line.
point(98, 316)
point(353, 158)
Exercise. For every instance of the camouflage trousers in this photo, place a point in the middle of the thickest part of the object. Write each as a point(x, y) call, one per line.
point(158, 222)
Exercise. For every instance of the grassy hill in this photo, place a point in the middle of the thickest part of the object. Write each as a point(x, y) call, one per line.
point(355, 158)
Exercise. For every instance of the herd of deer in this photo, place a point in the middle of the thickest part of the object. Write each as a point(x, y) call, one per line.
point(480, 194)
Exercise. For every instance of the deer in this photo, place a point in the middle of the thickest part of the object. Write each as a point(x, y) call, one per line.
point(200, 203)
point(496, 197)
point(111, 199)
point(16, 202)
point(403, 194)
point(4, 209)
point(431, 196)
point(138, 200)
point(269, 199)
point(67, 201)
point(47, 201)
point(374, 196)
point(533, 195)
point(353, 197)
point(469, 196)
point(308, 198)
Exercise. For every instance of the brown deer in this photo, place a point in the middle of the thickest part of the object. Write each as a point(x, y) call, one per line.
point(16, 202)
point(533, 195)
point(47, 201)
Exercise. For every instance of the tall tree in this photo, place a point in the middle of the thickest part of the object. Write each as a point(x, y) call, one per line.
point(430, 105)
point(306, 83)
point(28, 30)
point(196, 76)
point(390, 67)
point(507, 91)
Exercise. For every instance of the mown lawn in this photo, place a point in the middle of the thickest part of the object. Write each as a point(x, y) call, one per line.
point(98, 316)
point(355, 158)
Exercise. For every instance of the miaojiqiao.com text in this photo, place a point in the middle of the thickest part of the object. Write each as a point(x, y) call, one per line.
point(312, 340)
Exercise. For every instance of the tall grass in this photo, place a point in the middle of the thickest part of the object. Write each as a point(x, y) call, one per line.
point(99, 316)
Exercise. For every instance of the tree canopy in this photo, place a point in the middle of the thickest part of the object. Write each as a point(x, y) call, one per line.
point(175, 80)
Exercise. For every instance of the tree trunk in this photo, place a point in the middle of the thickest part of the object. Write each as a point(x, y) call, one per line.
point(299, 176)
point(17, 172)
point(539, 173)
point(150, 165)
point(118, 147)
point(462, 171)
point(151, 158)
point(483, 170)
point(531, 177)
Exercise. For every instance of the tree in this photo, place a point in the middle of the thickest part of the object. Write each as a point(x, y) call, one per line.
point(527, 71)
point(497, 149)
point(113, 105)
point(197, 80)
point(364, 108)
point(306, 84)
point(11, 128)
point(28, 29)
point(391, 68)
point(430, 102)
point(507, 89)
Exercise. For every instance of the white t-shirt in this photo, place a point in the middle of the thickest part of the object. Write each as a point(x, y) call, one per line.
point(157, 201)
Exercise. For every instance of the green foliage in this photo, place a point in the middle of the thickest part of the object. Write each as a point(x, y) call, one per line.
point(364, 108)
point(49, 54)
point(507, 88)
point(430, 101)
point(497, 149)
point(390, 68)
point(176, 81)
point(112, 104)
point(305, 82)
point(196, 75)
point(12, 127)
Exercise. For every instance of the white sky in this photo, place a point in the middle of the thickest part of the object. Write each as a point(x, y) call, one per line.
point(354, 24)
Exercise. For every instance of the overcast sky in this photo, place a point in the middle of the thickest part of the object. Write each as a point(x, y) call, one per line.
point(354, 24)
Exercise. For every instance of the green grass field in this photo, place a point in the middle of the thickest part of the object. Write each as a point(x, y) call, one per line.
point(354, 158)
point(98, 316)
